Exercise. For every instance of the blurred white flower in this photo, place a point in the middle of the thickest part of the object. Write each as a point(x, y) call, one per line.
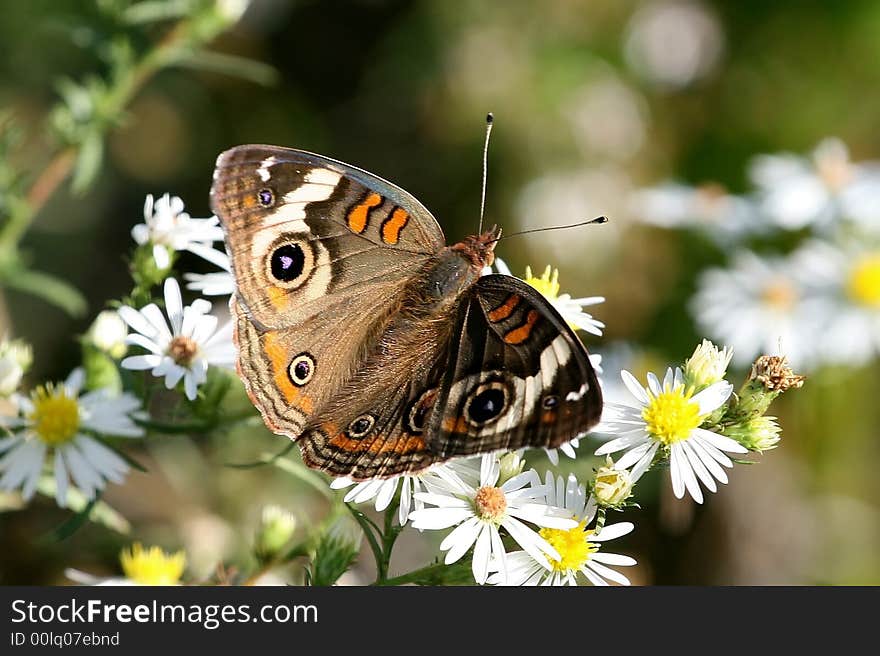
point(578, 547)
point(478, 511)
point(108, 332)
point(220, 283)
point(796, 191)
point(673, 44)
point(168, 228)
point(757, 306)
point(709, 208)
point(186, 348)
point(607, 117)
point(57, 419)
point(845, 283)
point(669, 415)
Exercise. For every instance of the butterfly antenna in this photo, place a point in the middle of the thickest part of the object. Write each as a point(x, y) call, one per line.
point(598, 219)
point(489, 119)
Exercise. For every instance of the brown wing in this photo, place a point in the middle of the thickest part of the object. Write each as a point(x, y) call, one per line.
point(517, 375)
point(321, 252)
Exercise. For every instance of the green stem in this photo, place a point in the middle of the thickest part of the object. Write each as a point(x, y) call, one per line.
point(434, 574)
point(367, 527)
point(389, 537)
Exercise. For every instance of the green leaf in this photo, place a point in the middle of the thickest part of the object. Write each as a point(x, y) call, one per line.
point(152, 11)
point(262, 462)
point(232, 65)
point(93, 510)
point(301, 472)
point(88, 162)
point(49, 288)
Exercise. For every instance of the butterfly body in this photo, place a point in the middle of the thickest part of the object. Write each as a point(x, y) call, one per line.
point(370, 342)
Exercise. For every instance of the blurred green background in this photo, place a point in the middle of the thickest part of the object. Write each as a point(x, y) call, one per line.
point(589, 105)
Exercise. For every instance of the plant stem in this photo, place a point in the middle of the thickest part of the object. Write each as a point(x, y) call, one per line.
point(389, 536)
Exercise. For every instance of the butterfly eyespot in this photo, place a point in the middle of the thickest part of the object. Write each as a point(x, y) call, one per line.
point(419, 410)
point(265, 197)
point(301, 369)
point(550, 402)
point(487, 403)
point(287, 262)
point(361, 426)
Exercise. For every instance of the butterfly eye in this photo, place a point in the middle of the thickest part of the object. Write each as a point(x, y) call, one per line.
point(287, 262)
point(301, 369)
point(265, 197)
point(550, 402)
point(361, 426)
point(486, 403)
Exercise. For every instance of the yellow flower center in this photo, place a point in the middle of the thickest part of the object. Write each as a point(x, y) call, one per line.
point(572, 544)
point(779, 294)
point(671, 415)
point(490, 503)
point(864, 281)
point(547, 284)
point(55, 415)
point(152, 566)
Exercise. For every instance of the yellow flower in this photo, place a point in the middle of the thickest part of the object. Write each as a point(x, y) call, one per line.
point(152, 566)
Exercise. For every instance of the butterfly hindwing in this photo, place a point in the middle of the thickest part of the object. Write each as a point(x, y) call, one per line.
point(517, 375)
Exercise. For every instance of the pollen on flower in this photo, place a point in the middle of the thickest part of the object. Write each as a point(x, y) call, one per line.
point(547, 284)
point(152, 566)
point(671, 415)
point(55, 415)
point(182, 350)
point(863, 285)
point(572, 544)
point(490, 503)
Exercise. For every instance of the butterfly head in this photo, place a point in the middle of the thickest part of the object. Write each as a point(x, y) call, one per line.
point(480, 249)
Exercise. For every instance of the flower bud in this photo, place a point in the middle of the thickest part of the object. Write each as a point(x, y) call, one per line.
point(108, 333)
point(756, 434)
point(15, 359)
point(511, 465)
point(611, 487)
point(276, 528)
point(706, 366)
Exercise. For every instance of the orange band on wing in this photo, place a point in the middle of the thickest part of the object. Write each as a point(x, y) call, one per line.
point(521, 333)
point(378, 444)
point(392, 226)
point(358, 216)
point(279, 356)
point(505, 309)
point(277, 296)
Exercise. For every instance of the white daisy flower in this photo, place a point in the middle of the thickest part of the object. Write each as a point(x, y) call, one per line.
point(845, 283)
point(220, 283)
point(796, 191)
point(708, 208)
point(168, 228)
point(668, 416)
point(57, 420)
point(757, 306)
point(578, 547)
point(478, 511)
point(571, 309)
point(186, 348)
point(383, 490)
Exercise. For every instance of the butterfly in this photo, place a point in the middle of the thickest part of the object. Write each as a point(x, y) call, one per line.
point(375, 346)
